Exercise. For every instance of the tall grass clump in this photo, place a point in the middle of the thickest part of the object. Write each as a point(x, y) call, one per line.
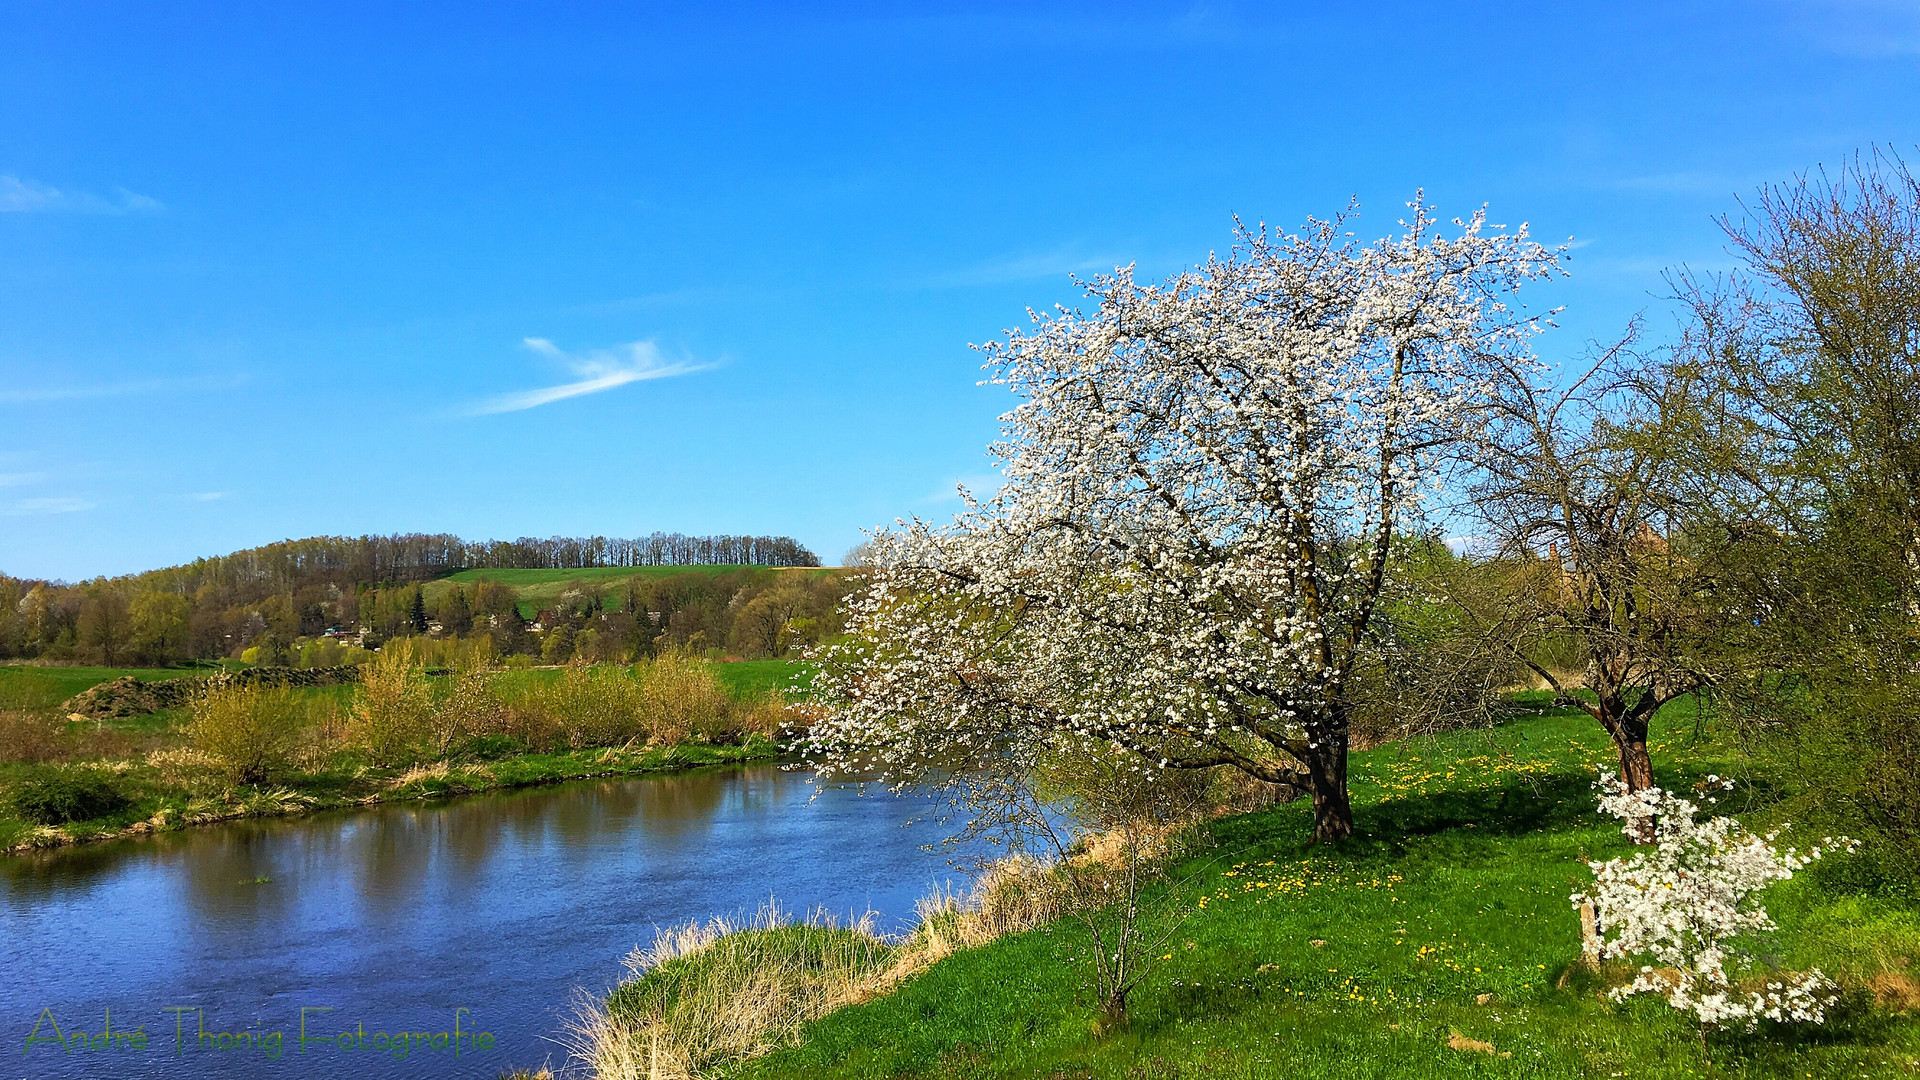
point(708, 995)
point(249, 731)
point(392, 709)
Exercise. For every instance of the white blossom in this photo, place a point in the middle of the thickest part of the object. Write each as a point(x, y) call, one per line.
point(1684, 900)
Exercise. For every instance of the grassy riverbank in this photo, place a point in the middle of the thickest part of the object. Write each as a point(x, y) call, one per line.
point(159, 802)
point(65, 782)
point(1437, 943)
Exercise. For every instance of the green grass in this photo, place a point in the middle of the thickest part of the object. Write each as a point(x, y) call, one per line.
point(33, 687)
point(743, 680)
point(1361, 960)
point(746, 679)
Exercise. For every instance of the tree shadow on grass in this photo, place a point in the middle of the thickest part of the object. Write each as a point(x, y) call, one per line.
point(1519, 806)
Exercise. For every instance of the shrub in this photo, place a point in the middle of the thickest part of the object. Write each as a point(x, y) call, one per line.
point(64, 797)
point(666, 700)
point(392, 708)
point(682, 699)
point(468, 707)
point(1684, 900)
point(589, 706)
point(248, 730)
point(1854, 745)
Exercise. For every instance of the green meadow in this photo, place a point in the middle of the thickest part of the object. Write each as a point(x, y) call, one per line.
point(1439, 942)
point(541, 588)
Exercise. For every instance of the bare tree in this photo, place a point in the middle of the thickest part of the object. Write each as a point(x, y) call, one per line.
point(1583, 499)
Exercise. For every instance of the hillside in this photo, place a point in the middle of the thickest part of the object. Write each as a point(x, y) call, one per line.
point(271, 604)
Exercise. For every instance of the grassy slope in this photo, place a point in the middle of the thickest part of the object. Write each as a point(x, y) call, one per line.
point(1457, 887)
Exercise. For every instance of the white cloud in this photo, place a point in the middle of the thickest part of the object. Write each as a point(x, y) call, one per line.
point(34, 507)
point(15, 479)
point(598, 370)
point(206, 496)
point(19, 196)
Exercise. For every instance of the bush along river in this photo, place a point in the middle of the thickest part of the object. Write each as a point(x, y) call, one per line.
point(415, 940)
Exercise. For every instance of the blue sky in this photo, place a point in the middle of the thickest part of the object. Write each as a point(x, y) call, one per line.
point(271, 271)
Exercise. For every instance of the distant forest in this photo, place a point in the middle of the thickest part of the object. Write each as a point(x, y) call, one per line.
point(331, 599)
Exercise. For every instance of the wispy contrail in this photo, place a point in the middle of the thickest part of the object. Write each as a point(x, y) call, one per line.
point(601, 369)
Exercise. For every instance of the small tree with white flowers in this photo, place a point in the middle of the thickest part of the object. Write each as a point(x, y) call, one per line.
point(1207, 480)
point(1686, 900)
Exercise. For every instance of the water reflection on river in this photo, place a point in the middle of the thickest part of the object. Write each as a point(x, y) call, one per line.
point(394, 917)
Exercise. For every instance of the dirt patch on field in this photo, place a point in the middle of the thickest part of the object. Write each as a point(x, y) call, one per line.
point(128, 696)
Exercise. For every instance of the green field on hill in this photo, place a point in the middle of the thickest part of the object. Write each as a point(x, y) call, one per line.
point(1437, 943)
point(540, 588)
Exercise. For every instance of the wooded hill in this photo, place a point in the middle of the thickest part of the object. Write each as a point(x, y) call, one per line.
point(323, 594)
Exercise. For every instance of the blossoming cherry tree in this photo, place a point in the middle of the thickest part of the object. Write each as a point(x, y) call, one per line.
point(1205, 479)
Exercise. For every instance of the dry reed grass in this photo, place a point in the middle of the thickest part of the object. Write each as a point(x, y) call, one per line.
point(31, 736)
point(705, 996)
point(1895, 992)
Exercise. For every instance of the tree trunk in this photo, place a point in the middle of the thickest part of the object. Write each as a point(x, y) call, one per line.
point(1629, 730)
point(1636, 768)
point(1327, 770)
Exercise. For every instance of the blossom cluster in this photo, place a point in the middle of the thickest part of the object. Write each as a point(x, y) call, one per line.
point(1684, 900)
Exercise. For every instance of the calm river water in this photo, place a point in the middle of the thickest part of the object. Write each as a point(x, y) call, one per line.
point(492, 912)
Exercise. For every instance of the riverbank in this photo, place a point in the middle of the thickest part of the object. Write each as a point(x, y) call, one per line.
point(305, 740)
point(176, 807)
point(1439, 942)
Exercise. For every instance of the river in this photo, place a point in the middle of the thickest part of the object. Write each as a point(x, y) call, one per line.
point(199, 953)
